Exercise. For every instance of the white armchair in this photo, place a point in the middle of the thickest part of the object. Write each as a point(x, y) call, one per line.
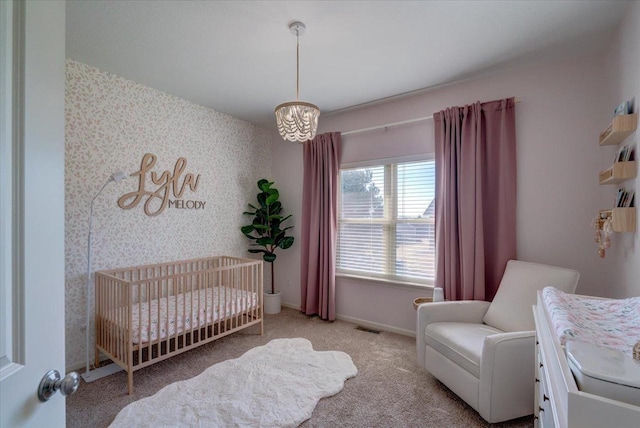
point(485, 351)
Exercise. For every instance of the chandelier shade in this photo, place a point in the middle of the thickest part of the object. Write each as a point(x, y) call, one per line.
point(297, 120)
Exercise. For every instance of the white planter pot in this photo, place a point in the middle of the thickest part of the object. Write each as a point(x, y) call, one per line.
point(272, 303)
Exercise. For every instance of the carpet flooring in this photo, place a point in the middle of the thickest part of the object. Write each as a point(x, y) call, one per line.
point(390, 390)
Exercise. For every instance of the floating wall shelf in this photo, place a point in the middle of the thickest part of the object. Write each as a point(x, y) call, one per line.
point(624, 219)
point(620, 128)
point(619, 172)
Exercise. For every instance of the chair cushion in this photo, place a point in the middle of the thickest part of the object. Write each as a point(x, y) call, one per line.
point(460, 342)
point(511, 307)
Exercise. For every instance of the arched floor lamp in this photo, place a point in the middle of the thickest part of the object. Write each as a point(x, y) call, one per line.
point(91, 375)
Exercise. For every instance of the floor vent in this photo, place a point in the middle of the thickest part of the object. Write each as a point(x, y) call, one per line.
point(368, 330)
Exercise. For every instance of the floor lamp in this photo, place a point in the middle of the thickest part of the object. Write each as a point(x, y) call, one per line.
point(91, 375)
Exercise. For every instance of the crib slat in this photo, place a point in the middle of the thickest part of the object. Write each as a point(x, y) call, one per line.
point(164, 294)
point(245, 298)
point(176, 291)
point(211, 284)
point(110, 336)
point(158, 300)
point(237, 288)
point(113, 335)
point(240, 297)
point(120, 304)
point(196, 321)
point(129, 328)
point(227, 317)
point(184, 311)
point(139, 303)
point(98, 317)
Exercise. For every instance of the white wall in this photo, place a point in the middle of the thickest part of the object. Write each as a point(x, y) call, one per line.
point(558, 121)
point(623, 65)
point(111, 123)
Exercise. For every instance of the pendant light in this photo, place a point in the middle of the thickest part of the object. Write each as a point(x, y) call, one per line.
point(297, 120)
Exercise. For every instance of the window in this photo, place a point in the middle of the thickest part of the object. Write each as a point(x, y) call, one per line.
point(386, 225)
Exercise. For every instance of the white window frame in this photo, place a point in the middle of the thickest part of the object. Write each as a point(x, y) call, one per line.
point(389, 222)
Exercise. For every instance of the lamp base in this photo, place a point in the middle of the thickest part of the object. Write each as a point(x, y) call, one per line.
point(101, 372)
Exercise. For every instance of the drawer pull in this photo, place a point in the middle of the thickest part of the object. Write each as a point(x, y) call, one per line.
point(537, 380)
point(540, 409)
point(544, 397)
point(541, 365)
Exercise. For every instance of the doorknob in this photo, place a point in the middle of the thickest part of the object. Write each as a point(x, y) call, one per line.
point(52, 382)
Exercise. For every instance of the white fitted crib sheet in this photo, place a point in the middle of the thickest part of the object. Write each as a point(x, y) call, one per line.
point(612, 323)
point(201, 307)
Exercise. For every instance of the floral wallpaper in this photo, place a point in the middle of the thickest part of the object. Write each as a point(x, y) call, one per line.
point(111, 123)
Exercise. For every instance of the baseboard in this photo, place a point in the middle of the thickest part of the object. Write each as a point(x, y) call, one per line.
point(364, 323)
point(99, 373)
point(291, 306)
point(81, 366)
point(376, 326)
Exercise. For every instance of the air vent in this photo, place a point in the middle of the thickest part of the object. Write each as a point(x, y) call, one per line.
point(368, 330)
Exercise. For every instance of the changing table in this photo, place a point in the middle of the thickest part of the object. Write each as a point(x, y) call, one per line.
point(559, 401)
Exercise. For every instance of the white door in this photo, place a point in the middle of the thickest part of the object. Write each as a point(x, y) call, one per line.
point(31, 210)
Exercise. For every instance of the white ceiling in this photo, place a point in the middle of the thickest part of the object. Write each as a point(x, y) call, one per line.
point(238, 57)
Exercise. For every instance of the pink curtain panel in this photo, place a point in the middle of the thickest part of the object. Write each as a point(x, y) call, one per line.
point(475, 197)
point(319, 225)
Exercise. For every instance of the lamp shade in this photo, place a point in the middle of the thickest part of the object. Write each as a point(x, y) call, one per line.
point(297, 120)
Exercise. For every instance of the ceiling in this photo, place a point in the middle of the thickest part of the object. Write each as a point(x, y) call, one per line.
point(238, 57)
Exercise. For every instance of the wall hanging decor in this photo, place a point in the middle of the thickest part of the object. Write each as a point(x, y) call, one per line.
point(161, 191)
point(604, 229)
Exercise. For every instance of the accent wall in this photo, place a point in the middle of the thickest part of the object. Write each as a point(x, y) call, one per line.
point(111, 123)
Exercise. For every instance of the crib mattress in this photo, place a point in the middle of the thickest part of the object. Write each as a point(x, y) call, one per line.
point(174, 315)
point(611, 323)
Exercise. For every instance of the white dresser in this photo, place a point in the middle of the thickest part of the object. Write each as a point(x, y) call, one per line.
point(558, 401)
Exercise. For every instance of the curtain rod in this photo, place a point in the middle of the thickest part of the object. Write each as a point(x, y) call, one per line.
point(388, 125)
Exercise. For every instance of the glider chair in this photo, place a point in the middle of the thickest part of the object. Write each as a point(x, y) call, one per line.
point(485, 351)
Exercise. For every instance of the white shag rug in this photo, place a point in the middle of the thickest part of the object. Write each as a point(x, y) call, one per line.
point(275, 385)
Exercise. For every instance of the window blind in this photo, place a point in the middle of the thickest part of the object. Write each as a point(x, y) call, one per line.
point(386, 221)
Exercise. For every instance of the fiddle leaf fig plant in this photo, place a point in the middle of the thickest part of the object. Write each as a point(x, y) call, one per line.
point(266, 231)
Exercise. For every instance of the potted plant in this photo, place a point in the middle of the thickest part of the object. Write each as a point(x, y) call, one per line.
point(267, 234)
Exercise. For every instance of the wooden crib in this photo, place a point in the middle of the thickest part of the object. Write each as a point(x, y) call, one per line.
point(146, 314)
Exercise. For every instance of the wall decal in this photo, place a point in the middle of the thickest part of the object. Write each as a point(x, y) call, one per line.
point(158, 200)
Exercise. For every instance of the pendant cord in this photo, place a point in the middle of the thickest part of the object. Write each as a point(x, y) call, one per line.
point(297, 65)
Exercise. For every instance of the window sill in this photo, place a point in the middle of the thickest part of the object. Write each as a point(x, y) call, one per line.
point(387, 282)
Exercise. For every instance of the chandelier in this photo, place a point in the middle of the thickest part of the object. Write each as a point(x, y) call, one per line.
point(297, 120)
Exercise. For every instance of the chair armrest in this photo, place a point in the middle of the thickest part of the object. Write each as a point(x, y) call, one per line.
point(507, 375)
point(471, 311)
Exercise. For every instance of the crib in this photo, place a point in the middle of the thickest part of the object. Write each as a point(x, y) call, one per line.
point(146, 314)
